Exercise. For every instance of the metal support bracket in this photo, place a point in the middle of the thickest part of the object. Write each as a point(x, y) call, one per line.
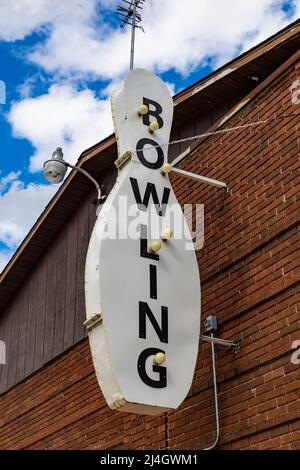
point(194, 176)
point(103, 196)
point(199, 178)
point(93, 321)
point(221, 342)
point(121, 161)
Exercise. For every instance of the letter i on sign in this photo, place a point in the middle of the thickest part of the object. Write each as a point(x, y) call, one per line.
point(142, 294)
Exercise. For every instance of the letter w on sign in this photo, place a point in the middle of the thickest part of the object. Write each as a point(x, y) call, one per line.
point(150, 192)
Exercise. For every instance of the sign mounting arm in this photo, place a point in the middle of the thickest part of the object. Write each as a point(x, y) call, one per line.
point(168, 168)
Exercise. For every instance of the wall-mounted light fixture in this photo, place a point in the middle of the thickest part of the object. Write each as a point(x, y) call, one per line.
point(56, 168)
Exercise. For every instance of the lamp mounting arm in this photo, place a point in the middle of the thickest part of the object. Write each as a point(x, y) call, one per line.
point(85, 173)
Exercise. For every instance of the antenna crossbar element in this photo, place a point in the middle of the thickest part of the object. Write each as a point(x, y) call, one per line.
point(130, 4)
point(221, 342)
point(129, 15)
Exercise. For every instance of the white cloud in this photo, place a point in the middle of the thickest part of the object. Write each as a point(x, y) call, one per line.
point(6, 180)
point(20, 18)
point(272, 22)
point(65, 117)
point(5, 256)
point(20, 206)
point(177, 36)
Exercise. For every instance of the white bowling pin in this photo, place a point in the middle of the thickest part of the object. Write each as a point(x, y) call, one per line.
point(142, 292)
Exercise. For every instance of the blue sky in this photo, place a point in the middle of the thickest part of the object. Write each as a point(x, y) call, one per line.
point(61, 60)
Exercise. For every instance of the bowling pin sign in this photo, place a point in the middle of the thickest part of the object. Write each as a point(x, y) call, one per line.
point(142, 290)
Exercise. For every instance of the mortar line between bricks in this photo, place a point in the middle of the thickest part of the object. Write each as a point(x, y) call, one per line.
point(62, 427)
point(251, 433)
point(191, 396)
point(251, 369)
point(186, 408)
point(47, 398)
point(224, 381)
point(166, 431)
point(261, 245)
point(261, 302)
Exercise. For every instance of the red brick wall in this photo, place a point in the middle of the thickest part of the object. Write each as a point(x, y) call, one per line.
point(250, 271)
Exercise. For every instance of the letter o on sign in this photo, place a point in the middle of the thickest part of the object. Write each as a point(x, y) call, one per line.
point(140, 153)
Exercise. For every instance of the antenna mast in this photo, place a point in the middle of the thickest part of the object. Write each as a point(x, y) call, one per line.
point(128, 14)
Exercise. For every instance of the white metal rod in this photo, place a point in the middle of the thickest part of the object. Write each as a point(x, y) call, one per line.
point(201, 179)
point(85, 173)
point(181, 156)
point(221, 342)
point(216, 399)
point(133, 35)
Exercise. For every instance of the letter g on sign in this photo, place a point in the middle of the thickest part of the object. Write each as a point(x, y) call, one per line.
point(295, 359)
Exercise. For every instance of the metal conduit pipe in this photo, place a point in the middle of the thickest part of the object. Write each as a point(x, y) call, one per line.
point(215, 385)
point(90, 177)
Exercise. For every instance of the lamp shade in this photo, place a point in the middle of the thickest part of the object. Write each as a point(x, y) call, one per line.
point(55, 170)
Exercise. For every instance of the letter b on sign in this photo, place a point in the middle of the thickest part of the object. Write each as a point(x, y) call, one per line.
point(156, 112)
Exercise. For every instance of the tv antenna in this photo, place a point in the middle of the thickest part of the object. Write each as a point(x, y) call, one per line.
point(130, 14)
